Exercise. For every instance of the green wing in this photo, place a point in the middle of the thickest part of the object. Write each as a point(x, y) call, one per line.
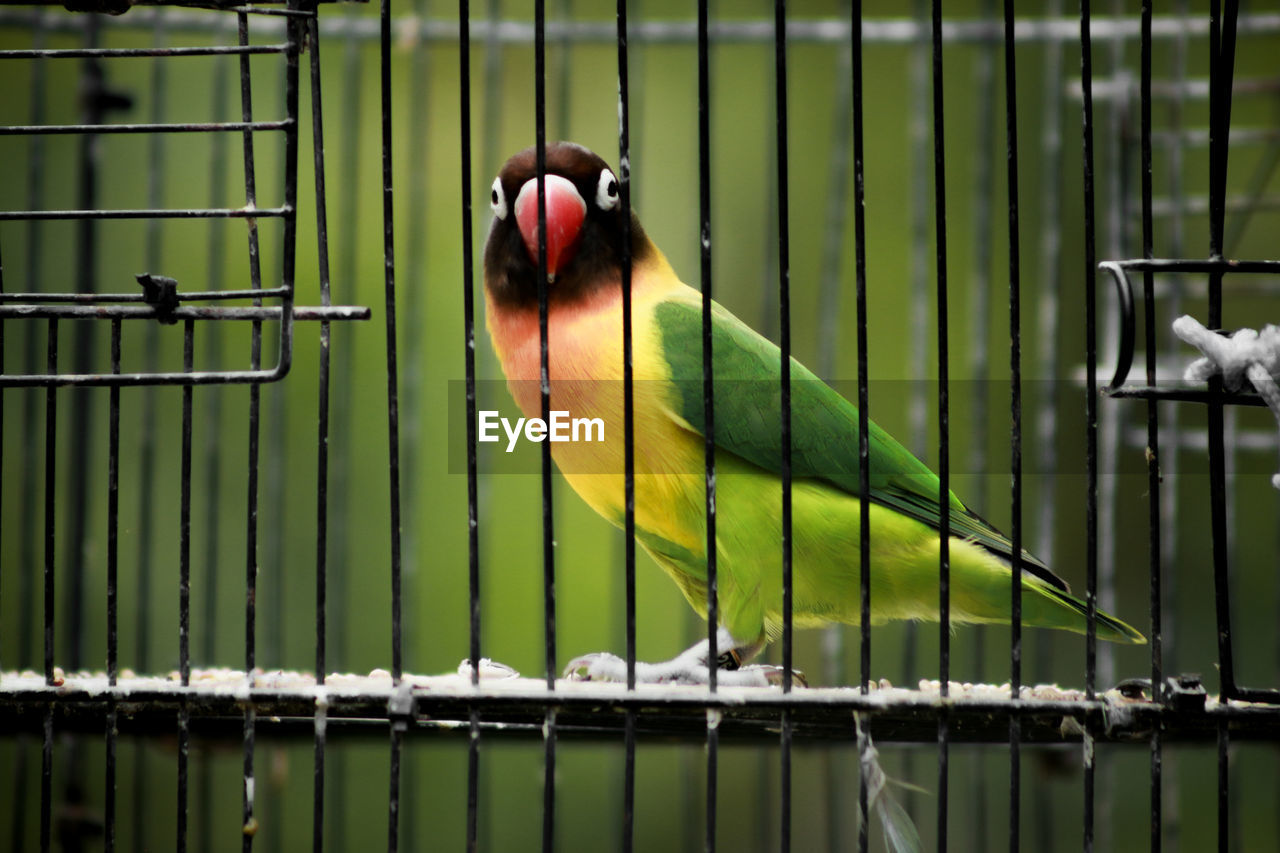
point(824, 434)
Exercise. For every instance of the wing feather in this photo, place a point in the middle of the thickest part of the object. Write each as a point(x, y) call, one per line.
point(824, 443)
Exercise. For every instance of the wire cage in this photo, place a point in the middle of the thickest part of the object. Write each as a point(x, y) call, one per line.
point(233, 615)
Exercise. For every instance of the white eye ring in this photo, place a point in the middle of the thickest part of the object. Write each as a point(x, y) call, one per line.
point(498, 199)
point(607, 197)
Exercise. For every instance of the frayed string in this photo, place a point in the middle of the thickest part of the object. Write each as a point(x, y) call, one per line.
point(1247, 354)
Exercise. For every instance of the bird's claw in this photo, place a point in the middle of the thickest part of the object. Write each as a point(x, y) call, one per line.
point(775, 675)
point(598, 666)
point(603, 666)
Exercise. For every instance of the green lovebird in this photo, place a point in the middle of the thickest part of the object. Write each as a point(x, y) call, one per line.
point(584, 296)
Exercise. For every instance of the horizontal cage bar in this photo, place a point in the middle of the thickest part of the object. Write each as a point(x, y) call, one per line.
point(151, 213)
point(326, 313)
point(192, 296)
point(128, 52)
point(199, 127)
point(978, 713)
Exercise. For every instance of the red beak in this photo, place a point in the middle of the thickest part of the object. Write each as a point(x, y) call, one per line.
point(565, 212)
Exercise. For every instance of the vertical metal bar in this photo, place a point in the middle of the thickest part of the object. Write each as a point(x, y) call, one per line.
point(708, 413)
point(1091, 360)
point(708, 372)
point(46, 769)
point(1015, 397)
point(255, 272)
point(628, 402)
point(469, 358)
point(184, 514)
point(864, 444)
point(544, 371)
point(1118, 231)
point(1153, 427)
point(784, 318)
point(784, 324)
point(50, 502)
point(629, 433)
point(322, 438)
point(944, 437)
point(1222, 33)
point(184, 584)
point(1175, 182)
point(2, 399)
point(113, 562)
point(17, 837)
point(393, 411)
point(251, 520)
point(1221, 61)
point(1091, 410)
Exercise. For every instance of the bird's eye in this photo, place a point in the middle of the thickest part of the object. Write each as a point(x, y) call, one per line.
point(607, 191)
point(498, 199)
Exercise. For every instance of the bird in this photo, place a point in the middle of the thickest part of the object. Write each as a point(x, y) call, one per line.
point(585, 228)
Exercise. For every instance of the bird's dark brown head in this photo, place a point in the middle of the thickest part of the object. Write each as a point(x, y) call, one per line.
point(584, 227)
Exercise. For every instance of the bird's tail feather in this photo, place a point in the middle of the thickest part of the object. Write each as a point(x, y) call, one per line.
point(1109, 627)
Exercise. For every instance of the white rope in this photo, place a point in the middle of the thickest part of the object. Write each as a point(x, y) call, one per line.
point(1247, 354)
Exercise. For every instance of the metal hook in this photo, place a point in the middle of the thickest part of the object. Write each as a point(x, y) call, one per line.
point(1124, 295)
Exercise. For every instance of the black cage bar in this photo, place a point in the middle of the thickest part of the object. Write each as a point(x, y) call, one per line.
point(782, 158)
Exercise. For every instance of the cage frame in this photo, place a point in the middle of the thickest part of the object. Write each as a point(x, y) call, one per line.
point(1175, 708)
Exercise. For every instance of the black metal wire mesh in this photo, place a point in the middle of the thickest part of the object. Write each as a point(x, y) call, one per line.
point(346, 718)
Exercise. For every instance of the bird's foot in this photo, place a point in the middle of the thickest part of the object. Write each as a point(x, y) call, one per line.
point(689, 667)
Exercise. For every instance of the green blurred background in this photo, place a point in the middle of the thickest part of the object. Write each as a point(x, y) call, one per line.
point(181, 170)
